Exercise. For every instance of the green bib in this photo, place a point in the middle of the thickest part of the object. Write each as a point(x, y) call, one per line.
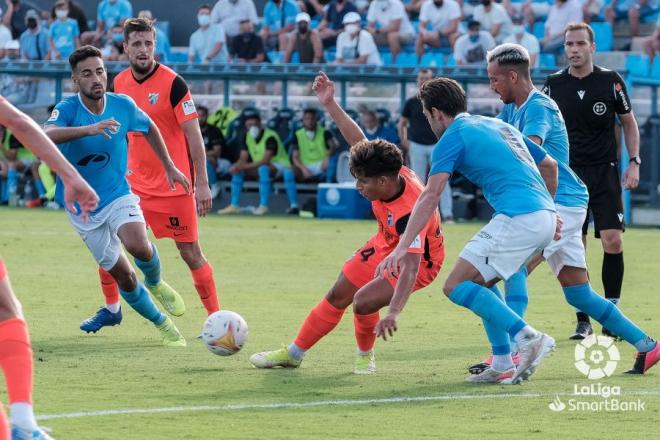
point(258, 149)
point(311, 150)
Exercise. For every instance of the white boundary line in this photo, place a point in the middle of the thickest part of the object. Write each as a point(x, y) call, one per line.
point(318, 403)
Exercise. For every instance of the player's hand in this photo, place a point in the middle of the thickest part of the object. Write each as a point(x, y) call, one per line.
point(203, 198)
point(174, 176)
point(389, 267)
point(386, 326)
point(324, 88)
point(560, 223)
point(235, 169)
point(77, 190)
point(106, 128)
point(631, 177)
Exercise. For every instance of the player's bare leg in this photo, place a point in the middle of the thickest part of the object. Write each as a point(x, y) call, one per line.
point(202, 274)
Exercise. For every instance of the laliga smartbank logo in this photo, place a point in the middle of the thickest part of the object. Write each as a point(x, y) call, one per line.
point(596, 357)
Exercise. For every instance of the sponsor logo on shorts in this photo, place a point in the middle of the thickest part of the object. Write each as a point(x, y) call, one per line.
point(188, 107)
point(175, 225)
point(153, 98)
point(599, 108)
point(485, 235)
point(620, 216)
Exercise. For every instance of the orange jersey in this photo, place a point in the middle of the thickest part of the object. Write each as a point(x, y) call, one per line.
point(164, 96)
point(393, 218)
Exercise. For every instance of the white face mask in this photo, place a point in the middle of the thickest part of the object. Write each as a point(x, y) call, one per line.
point(518, 29)
point(204, 20)
point(310, 134)
point(254, 131)
point(352, 28)
point(61, 13)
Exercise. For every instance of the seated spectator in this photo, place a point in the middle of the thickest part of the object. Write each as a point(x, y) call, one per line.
point(278, 21)
point(15, 17)
point(163, 50)
point(443, 17)
point(471, 48)
point(374, 130)
point(247, 47)
point(108, 14)
point(333, 20)
point(12, 52)
point(75, 12)
point(494, 19)
point(520, 36)
point(207, 44)
point(5, 37)
point(114, 46)
point(561, 13)
point(633, 10)
point(215, 144)
point(388, 22)
point(591, 9)
point(311, 149)
point(315, 8)
point(19, 160)
point(355, 45)
point(305, 41)
point(264, 157)
point(34, 40)
point(229, 14)
point(63, 34)
point(413, 8)
point(652, 43)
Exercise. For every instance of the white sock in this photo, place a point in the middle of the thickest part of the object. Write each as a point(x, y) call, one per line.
point(113, 308)
point(22, 416)
point(527, 332)
point(501, 362)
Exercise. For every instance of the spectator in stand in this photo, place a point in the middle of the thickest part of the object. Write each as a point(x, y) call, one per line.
point(443, 17)
point(355, 45)
point(493, 18)
point(163, 50)
point(315, 8)
point(215, 144)
point(114, 46)
point(471, 48)
point(5, 37)
point(333, 20)
point(229, 14)
point(633, 10)
point(19, 160)
point(278, 21)
point(652, 43)
point(12, 51)
point(15, 16)
point(561, 13)
point(64, 34)
point(311, 148)
point(305, 41)
point(388, 22)
point(374, 130)
point(520, 36)
point(108, 14)
point(208, 43)
point(34, 40)
point(247, 47)
point(75, 12)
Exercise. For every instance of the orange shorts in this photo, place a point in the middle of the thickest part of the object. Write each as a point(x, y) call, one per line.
point(361, 267)
point(171, 217)
point(3, 270)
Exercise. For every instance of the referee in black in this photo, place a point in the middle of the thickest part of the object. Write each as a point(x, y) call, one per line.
point(590, 98)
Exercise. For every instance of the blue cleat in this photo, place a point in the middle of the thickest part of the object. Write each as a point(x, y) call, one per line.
point(26, 434)
point(102, 318)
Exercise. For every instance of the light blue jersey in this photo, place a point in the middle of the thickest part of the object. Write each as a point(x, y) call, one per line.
point(100, 161)
point(63, 34)
point(493, 155)
point(539, 116)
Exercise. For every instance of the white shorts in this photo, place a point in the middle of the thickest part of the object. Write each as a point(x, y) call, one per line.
point(99, 232)
point(569, 249)
point(315, 168)
point(280, 169)
point(505, 244)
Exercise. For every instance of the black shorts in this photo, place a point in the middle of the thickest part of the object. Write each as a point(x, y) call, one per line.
point(605, 203)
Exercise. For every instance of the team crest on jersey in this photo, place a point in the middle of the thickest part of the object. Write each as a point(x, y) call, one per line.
point(581, 94)
point(600, 108)
point(153, 98)
point(390, 218)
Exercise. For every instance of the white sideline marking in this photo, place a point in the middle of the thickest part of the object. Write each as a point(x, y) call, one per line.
point(313, 404)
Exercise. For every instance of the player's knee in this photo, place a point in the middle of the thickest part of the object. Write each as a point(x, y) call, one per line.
point(127, 280)
point(337, 299)
point(448, 287)
point(140, 249)
point(612, 242)
point(363, 305)
point(192, 255)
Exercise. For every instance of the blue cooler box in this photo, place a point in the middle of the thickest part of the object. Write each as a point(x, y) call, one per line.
point(341, 200)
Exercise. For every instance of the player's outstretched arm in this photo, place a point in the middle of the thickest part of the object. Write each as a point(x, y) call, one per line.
point(158, 145)
point(325, 92)
point(60, 135)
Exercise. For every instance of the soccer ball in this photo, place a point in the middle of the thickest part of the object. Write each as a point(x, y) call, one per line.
point(225, 333)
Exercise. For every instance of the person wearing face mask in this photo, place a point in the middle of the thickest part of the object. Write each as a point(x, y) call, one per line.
point(279, 19)
point(312, 147)
point(561, 13)
point(114, 46)
point(247, 47)
point(443, 17)
point(305, 41)
point(208, 43)
point(34, 41)
point(63, 34)
point(519, 35)
point(263, 156)
point(229, 13)
point(388, 22)
point(75, 12)
point(108, 14)
point(15, 14)
point(332, 23)
point(373, 128)
point(494, 19)
point(354, 45)
point(471, 48)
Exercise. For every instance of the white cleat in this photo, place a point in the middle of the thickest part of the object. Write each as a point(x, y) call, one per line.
point(489, 375)
point(532, 352)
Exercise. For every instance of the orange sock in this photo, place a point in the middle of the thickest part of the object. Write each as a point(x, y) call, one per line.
point(3, 270)
point(321, 320)
point(109, 287)
point(364, 330)
point(16, 360)
point(205, 284)
point(4, 425)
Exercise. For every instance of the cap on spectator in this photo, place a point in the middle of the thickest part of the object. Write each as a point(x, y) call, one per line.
point(303, 16)
point(250, 113)
point(351, 17)
point(12, 44)
point(31, 14)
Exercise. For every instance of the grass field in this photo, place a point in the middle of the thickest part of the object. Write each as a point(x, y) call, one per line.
point(272, 271)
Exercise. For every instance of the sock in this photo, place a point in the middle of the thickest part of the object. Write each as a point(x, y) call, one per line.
point(47, 180)
point(295, 351)
point(12, 182)
point(142, 303)
point(525, 332)
point(22, 415)
point(151, 268)
point(321, 320)
point(612, 275)
point(109, 288)
point(645, 345)
point(364, 330)
point(516, 295)
point(3, 198)
point(264, 185)
point(501, 362)
point(581, 316)
point(41, 190)
point(290, 186)
point(16, 362)
point(485, 303)
point(205, 284)
point(3, 270)
point(603, 311)
point(236, 188)
point(4, 425)
point(499, 339)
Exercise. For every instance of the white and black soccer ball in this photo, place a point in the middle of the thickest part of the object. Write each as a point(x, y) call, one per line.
point(225, 333)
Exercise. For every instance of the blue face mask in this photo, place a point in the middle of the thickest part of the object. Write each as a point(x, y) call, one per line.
point(117, 38)
point(474, 38)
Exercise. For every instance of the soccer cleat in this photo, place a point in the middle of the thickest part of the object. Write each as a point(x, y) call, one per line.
point(261, 210)
point(275, 358)
point(171, 335)
point(27, 434)
point(478, 368)
point(229, 209)
point(532, 352)
point(293, 211)
point(102, 318)
point(582, 330)
point(365, 363)
point(168, 298)
point(489, 375)
point(644, 361)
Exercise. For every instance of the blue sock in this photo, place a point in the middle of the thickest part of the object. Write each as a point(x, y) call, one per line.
point(141, 302)
point(4, 190)
point(151, 268)
point(331, 172)
point(236, 188)
point(41, 190)
point(498, 338)
point(264, 185)
point(488, 306)
point(12, 181)
point(210, 171)
point(290, 186)
point(516, 296)
point(295, 351)
point(584, 298)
